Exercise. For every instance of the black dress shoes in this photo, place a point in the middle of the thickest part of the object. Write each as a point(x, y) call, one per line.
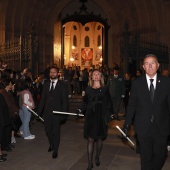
point(54, 155)
point(90, 167)
point(50, 148)
point(97, 161)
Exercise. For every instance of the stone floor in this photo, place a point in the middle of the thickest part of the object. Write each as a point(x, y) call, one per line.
point(33, 155)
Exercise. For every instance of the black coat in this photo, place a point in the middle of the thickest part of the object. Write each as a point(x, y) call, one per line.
point(97, 106)
point(53, 101)
point(141, 107)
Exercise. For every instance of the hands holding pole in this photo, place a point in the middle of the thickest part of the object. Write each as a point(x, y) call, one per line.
point(35, 113)
point(125, 135)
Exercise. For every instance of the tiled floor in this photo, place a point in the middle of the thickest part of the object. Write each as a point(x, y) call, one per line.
point(33, 155)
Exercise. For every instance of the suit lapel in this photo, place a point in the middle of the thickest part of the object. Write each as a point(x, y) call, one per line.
point(57, 85)
point(48, 85)
point(157, 90)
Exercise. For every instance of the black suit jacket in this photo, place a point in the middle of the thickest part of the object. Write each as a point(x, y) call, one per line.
point(57, 100)
point(142, 108)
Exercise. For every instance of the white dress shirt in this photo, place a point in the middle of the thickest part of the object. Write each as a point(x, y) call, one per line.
point(149, 82)
point(54, 84)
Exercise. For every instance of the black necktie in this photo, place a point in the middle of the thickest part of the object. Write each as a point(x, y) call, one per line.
point(152, 90)
point(52, 86)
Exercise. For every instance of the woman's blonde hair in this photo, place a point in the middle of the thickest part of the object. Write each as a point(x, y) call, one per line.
point(91, 81)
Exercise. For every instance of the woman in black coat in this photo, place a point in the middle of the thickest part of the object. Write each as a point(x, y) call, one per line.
point(97, 108)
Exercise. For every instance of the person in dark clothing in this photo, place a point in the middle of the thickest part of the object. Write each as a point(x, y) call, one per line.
point(85, 79)
point(5, 121)
point(97, 105)
point(117, 90)
point(149, 106)
point(37, 87)
point(75, 74)
point(165, 72)
point(5, 90)
point(128, 82)
point(54, 98)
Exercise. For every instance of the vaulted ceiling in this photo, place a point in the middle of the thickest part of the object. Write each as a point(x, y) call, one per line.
point(142, 15)
point(149, 18)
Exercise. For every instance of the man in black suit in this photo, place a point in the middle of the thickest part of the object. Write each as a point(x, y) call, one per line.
point(54, 98)
point(149, 105)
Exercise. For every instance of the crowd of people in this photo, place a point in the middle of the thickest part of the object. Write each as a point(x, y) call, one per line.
point(103, 90)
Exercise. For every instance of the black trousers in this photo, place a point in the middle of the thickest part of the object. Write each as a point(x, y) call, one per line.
point(153, 149)
point(116, 101)
point(52, 128)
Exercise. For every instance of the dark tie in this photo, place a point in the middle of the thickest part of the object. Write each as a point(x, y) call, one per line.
point(152, 90)
point(52, 86)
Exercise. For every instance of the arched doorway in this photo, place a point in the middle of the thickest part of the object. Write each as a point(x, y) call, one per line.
point(84, 39)
point(83, 44)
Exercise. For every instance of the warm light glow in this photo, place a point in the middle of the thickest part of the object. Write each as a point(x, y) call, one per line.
point(100, 47)
point(101, 58)
point(71, 59)
point(73, 47)
point(64, 57)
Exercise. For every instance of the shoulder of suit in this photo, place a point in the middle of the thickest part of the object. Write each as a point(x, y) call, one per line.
point(139, 79)
point(60, 82)
point(47, 81)
point(163, 78)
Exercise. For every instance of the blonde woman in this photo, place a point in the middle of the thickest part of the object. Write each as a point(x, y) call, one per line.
point(97, 107)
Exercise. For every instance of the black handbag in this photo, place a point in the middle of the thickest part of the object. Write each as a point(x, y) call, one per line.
point(16, 123)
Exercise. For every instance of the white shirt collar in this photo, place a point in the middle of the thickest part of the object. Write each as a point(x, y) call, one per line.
point(55, 82)
point(154, 80)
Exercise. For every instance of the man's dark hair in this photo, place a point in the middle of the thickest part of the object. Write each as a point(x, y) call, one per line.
point(150, 55)
point(54, 67)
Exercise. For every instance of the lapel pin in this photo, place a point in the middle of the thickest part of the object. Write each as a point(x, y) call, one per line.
point(159, 81)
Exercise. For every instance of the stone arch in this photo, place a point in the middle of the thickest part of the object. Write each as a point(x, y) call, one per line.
point(148, 18)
